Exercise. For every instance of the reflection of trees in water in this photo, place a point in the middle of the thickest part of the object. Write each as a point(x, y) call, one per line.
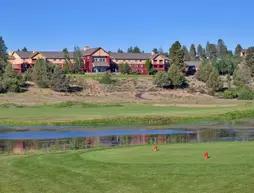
point(14, 146)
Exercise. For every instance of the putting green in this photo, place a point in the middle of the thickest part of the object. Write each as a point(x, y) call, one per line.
point(175, 153)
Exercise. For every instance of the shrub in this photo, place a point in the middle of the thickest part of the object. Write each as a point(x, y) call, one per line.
point(124, 68)
point(47, 75)
point(242, 75)
point(230, 94)
point(162, 80)
point(27, 75)
point(149, 67)
point(59, 81)
point(245, 93)
point(176, 77)
point(204, 71)
point(106, 79)
point(214, 82)
point(41, 74)
point(11, 81)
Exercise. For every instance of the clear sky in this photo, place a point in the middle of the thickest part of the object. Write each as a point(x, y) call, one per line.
point(113, 24)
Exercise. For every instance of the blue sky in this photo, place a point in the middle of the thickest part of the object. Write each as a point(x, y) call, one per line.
point(113, 24)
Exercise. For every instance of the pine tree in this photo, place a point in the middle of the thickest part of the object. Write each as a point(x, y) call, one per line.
point(176, 55)
point(155, 51)
point(250, 59)
point(238, 50)
point(3, 50)
point(24, 49)
point(119, 51)
point(211, 51)
point(78, 61)
point(193, 52)
point(186, 54)
point(222, 50)
point(176, 77)
point(67, 63)
point(200, 51)
point(214, 82)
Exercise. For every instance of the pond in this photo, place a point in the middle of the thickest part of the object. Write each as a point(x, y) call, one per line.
point(21, 140)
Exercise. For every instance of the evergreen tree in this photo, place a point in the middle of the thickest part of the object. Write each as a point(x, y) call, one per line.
point(135, 49)
point(3, 54)
point(200, 51)
point(211, 51)
point(155, 51)
point(242, 74)
point(204, 71)
point(119, 51)
point(78, 61)
point(130, 50)
point(149, 67)
point(222, 50)
point(186, 54)
point(238, 50)
point(176, 76)
point(24, 49)
point(41, 74)
point(250, 59)
point(176, 55)
point(193, 52)
point(11, 81)
point(67, 63)
point(124, 68)
point(214, 82)
point(162, 80)
point(59, 81)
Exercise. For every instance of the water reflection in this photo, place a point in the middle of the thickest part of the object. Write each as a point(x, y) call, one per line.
point(27, 141)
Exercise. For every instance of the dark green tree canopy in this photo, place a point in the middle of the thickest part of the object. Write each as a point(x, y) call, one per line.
point(24, 49)
point(221, 48)
point(200, 51)
point(186, 54)
point(119, 51)
point(3, 51)
point(193, 52)
point(238, 50)
point(250, 59)
point(134, 49)
point(176, 55)
point(211, 50)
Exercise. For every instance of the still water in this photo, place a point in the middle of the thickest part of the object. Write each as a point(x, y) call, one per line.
point(61, 139)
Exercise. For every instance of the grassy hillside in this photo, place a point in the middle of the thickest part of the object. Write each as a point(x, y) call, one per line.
point(177, 168)
point(116, 114)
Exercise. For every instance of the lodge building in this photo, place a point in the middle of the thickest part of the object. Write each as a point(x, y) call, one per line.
point(95, 60)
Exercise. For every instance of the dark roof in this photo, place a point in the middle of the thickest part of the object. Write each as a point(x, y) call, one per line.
point(53, 54)
point(24, 55)
point(90, 51)
point(131, 56)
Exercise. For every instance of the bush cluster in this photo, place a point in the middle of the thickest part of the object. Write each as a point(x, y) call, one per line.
point(174, 78)
point(47, 75)
point(10, 81)
point(106, 79)
point(241, 93)
point(124, 68)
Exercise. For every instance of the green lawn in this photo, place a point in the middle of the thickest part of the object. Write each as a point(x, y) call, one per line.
point(106, 114)
point(177, 168)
